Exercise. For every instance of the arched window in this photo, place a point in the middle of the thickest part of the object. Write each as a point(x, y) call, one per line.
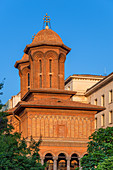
point(40, 81)
point(49, 161)
point(50, 72)
point(50, 66)
point(28, 81)
point(62, 163)
point(74, 162)
point(50, 76)
point(40, 70)
point(40, 65)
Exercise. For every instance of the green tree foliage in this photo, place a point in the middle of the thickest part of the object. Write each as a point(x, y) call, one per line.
point(107, 164)
point(16, 153)
point(100, 148)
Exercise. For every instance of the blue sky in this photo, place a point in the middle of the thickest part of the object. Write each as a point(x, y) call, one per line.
point(86, 26)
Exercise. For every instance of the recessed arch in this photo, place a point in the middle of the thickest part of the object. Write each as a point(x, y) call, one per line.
point(49, 156)
point(51, 54)
point(48, 152)
point(74, 161)
point(25, 70)
point(48, 159)
point(38, 55)
point(62, 161)
point(85, 153)
point(74, 152)
point(62, 57)
point(66, 154)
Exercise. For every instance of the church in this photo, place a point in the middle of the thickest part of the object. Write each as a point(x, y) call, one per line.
point(46, 109)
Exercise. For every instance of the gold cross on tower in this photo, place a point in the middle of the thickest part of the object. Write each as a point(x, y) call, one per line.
point(46, 22)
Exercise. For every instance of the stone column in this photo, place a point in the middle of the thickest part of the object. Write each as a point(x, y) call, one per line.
point(79, 164)
point(42, 160)
point(68, 163)
point(55, 163)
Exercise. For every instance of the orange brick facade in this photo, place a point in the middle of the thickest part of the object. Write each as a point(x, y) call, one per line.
point(46, 108)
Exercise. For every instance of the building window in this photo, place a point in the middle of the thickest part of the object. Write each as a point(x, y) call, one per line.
point(50, 66)
point(95, 123)
point(40, 63)
point(110, 117)
point(103, 100)
point(40, 81)
point(102, 120)
point(68, 87)
point(28, 81)
point(110, 96)
point(95, 102)
point(50, 81)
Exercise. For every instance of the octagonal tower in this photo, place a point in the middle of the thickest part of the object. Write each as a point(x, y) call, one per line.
point(42, 65)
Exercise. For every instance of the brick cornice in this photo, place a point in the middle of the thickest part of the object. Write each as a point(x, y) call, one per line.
point(49, 91)
point(26, 50)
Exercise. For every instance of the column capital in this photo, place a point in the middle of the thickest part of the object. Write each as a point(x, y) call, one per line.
point(68, 158)
point(55, 162)
point(68, 162)
point(55, 157)
point(41, 157)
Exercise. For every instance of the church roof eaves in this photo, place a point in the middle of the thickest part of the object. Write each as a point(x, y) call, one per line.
point(19, 62)
point(24, 59)
point(57, 104)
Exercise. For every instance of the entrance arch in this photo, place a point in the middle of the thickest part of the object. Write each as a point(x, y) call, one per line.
point(49, 161)
point(62, 162)
point(74, 162)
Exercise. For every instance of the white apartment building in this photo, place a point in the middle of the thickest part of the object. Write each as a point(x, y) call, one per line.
point(96, 90)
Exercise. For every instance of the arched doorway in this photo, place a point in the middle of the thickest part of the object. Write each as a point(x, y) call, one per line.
point(74, 162)
point(49, 161)
point(62, 162)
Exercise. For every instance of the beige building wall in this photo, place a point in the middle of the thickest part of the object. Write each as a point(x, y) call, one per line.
point(15, 99)
point(104, 118)
point(12, 102)
point(80, 83)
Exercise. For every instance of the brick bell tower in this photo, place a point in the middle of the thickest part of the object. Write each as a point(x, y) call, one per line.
point(46, 108)
point(42, 65)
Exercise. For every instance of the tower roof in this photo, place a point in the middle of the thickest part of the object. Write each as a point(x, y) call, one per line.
point(47, 36)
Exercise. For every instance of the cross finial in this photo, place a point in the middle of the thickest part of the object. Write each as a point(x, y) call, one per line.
point(46, 22)
point(33, 36)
